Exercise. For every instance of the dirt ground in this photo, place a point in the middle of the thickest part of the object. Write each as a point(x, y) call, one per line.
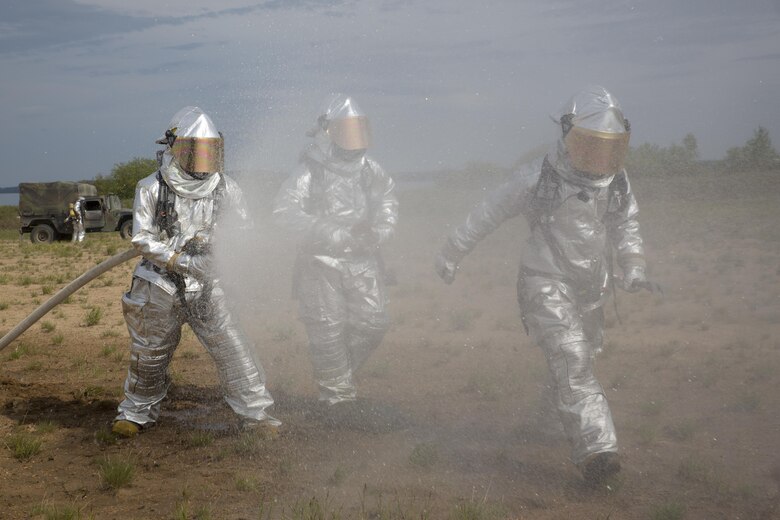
point(692, 379)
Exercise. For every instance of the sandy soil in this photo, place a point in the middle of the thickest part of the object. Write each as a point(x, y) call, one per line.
point(692, 379)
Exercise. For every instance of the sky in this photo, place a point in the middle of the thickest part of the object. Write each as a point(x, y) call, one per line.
point(87, 84)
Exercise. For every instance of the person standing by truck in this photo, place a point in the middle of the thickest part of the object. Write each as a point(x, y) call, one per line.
point(76, 216)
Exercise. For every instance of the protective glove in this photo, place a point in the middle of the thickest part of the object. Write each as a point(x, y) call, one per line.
point(633, 278)
point(447, 261)
point(365, 235)
point(332, 235)
point(199, 266)
point(445, 268)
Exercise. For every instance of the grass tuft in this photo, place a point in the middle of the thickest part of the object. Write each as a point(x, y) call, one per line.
point(93, 316)
point(57, 512)
point(200, 439)
point(23, 446)
point(668, 511)
point(424, 455)
point(105, 437)
point(45, 427)
point(115, 473)
point(48, 326)
point(20, 350)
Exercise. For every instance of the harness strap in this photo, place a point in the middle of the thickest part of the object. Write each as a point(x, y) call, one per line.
point(166, 218)
point(545, 200)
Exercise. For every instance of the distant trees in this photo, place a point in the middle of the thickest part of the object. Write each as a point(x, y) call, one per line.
point(124, 177)
point(757, 154)
point(654, 160)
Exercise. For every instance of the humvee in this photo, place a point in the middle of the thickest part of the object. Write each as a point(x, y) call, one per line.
point(43, 210)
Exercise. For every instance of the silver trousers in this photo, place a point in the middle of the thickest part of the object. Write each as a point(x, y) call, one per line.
point(345, 318)
point(154, 319)
point(78, 231)
point(570, 338)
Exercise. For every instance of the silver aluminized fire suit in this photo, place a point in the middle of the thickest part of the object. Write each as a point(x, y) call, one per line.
point(338, 281)
point(78, 222)
point(576, 221)
point(155, 309)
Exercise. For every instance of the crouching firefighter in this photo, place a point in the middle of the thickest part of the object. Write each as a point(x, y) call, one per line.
point(175, 214)
point(342, 206)
point(580, 208)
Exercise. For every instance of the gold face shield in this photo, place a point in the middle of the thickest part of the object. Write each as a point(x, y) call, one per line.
point(199, 154)
point(350, 133)
point(595, 152)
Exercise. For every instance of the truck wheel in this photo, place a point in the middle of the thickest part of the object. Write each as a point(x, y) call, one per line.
point(126, 229)
point(42, 234)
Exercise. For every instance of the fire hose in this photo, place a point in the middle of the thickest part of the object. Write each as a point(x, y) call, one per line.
point(66, 291)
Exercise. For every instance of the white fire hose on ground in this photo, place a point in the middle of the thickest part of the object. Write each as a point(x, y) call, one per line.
point(66, 291)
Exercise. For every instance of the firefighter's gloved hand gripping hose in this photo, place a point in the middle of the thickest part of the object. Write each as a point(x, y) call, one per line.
point(66, 291)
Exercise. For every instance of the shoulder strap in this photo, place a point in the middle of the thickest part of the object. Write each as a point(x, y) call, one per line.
point(165, 212)
point(545, 195)
point(617, 192)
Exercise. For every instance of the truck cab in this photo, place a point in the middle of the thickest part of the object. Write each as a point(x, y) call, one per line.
point(105, 213)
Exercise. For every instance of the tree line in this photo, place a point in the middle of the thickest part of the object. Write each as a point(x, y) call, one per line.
point(757, 154)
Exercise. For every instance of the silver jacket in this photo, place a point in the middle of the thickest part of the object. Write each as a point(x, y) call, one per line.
point(571, 242)
point(155, 312)
point(324, 201)
point(195, 217)
point(342, 212)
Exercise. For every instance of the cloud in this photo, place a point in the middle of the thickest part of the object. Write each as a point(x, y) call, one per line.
point(193, 9)
point(445, 82)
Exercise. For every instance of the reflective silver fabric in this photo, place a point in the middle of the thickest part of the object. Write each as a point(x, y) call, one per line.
point(570, 339)
point(342, 215)
point(346, 124)
point(595, 111)
point(564, 280)
point(594, 108)
point(155, 313)
point(182, 183)
point(79, 233)
point(580, 227)
point(154, 319)
point(195, 217)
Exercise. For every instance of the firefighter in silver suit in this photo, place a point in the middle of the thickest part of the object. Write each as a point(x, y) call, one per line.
point(175, 215)
point(342, 206)
point(580, 208)
point(77, 219)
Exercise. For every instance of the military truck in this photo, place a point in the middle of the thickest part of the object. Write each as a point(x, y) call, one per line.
point(43, 210)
